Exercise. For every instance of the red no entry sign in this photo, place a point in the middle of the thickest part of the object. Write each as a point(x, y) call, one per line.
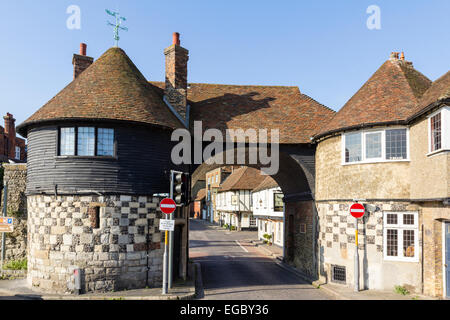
point(357, 210)
point(167, 206)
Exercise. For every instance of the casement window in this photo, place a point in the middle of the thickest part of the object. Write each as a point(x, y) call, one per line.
point(86, 141)
point(17, 155)
point(400, 231)
point(67, 142)
point(105, 142)
point(438, 130)
point(375, 146)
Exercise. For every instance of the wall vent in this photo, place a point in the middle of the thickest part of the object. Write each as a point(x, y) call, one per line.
point(338, 274)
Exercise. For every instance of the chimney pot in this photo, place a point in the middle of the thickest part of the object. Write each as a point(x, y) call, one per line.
point(83, 47)
point(80, 61)
point(176, 38)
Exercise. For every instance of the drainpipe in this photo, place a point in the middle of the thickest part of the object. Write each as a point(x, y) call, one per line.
point(284, 231)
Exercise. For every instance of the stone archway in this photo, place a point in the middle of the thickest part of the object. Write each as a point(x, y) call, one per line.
point(296, 179)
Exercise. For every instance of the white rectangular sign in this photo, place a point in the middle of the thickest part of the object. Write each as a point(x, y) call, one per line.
point(165, 224)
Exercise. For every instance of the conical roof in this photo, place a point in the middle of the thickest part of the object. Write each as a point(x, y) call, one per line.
point(439, 91)
point(112, 88)
point(389, 96)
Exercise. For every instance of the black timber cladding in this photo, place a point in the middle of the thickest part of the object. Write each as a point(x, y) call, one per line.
point(139, 167)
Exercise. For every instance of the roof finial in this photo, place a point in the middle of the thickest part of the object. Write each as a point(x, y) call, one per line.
point(116, 26)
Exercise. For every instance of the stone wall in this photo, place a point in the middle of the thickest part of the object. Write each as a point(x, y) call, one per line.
point(63, 236)
point(301, 235)
point(386, 180)
point(16, 242)
point(431, 173)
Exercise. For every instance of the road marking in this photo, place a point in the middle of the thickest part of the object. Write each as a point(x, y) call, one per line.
point(241, 246)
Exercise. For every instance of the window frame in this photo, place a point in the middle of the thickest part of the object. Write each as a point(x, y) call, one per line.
point(445, 127)
point(18, 152)
point(364, 133)
point(76, 155)
point(400, 227)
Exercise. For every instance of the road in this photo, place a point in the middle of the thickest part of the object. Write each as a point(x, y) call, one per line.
point(232, 269)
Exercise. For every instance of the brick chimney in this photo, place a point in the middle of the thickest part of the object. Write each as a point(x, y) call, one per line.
point(10, 132)
point(176, 75)
point(10, 127)
point(80, 61)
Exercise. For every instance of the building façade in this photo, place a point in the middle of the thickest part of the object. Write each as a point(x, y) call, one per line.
point(99, 156)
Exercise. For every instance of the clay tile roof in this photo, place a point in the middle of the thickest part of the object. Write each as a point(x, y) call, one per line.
point(112, 88)
point(439, 91)
point(201, 194)
point(222, 106)
point(388, 96)
point(244, 178)
point(267, 183)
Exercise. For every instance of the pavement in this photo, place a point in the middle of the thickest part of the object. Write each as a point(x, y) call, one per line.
point(243, 253)
point(18, 290)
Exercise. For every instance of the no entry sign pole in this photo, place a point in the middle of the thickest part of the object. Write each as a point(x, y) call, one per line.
point(167, 206)
point(171, 235)
point(357, 211)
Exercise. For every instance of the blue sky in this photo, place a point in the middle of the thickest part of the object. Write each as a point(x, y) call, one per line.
point(323, 47)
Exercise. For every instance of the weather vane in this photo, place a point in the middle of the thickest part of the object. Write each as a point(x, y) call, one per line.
point(117, 27)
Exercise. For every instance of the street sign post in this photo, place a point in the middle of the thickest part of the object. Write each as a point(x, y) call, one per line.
point(167, 206)
point(357, 210)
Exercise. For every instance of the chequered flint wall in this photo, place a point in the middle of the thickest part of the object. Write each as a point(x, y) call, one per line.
point(62, 236)
point(337, 228)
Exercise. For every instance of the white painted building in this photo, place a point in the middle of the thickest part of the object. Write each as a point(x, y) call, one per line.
point(234, 198)
point(268, 208)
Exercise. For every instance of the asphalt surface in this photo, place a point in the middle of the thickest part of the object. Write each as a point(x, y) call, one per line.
point(233, 269)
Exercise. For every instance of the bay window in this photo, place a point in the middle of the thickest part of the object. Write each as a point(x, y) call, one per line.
point(86, 141)
point(375, 146)
point(438, 130)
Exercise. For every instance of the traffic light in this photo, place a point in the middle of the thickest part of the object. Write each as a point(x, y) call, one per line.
point(180, 191)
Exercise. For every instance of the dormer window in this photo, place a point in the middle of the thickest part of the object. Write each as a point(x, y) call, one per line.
point(380, 145)
point(86, 141)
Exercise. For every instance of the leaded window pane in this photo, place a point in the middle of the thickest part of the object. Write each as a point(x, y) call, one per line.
point(67, 142)
point(105, 143)
point(392, 243)
point(353, 147)
point(391, 218)
point(408, 243)
point(436, 140)
point(86, 141)
point(396, 146)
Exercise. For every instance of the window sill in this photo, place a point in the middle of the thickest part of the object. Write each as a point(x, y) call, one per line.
point(86, 158)
point(374, 161)
point(437, 152)
point(400, 259)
